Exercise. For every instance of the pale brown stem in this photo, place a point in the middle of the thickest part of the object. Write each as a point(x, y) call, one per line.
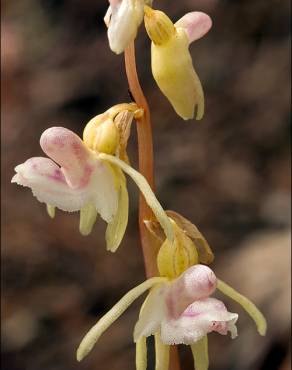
point(145, 151)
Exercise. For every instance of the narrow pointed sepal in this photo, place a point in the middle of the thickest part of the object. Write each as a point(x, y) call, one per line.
point(246, 304)
point(200, 354)
point(161, 354)
point(51, 210)
point(88, 215)
point(117, 227)
point(141, 354)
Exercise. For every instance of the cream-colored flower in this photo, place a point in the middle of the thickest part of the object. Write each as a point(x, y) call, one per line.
point(78, 176)
point(179, 307)
point(171, 61)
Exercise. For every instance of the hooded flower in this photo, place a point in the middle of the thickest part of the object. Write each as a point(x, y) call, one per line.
point(179, 307)
point(171, 61)
point(72, 179)
point(123, 19)
point(78, 177)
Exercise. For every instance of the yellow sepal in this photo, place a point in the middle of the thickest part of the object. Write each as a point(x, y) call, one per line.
point(88, 215)
point(116, 228)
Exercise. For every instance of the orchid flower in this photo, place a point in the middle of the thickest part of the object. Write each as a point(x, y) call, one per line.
point(179, 308)
point(78, 177)
point(123, 19)
point(171, 61)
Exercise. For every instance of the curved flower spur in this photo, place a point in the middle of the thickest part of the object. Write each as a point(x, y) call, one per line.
point(179, 308)
point(85, 175)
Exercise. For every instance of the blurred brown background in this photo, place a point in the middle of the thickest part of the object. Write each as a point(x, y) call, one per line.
point(229, 174)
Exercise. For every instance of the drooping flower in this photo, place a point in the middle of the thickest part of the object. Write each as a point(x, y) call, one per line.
point(171, 61)
point(178, 309)
point(78, 176)
point(123, 19)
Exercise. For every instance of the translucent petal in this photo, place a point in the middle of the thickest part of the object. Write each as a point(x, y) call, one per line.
point(205, 253)
point(249, 307)
point(152, 313)
point(200, 354)
point(196, 25)
point(112, 315)
point(116, 228)
point(199, 319)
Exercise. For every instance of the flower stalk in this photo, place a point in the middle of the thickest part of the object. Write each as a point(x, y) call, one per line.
point(145, 153)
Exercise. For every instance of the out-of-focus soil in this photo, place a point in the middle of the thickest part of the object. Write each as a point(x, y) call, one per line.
point(229, 174)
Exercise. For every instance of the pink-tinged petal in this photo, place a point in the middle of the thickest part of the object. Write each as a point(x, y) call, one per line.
point(197, 282)
point(199, 319)
point(152, 313)
point(196, 25)
point(48, 184)
point(69, 151)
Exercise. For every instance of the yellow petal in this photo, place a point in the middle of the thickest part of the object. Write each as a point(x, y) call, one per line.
point(88, 215)
point(112, 315)
point(51, 210)
point(141, 354)
point(248, 306)
point(161, 354)
point(200, 354)
point(146, 191)
point(116, 228)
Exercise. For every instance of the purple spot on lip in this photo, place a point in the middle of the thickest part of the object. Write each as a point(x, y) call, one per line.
point(57, 176)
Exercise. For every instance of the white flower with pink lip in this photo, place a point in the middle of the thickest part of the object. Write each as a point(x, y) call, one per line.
point(77, 178)
point(177, 311)
point(183, 312)
point(72, 178)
